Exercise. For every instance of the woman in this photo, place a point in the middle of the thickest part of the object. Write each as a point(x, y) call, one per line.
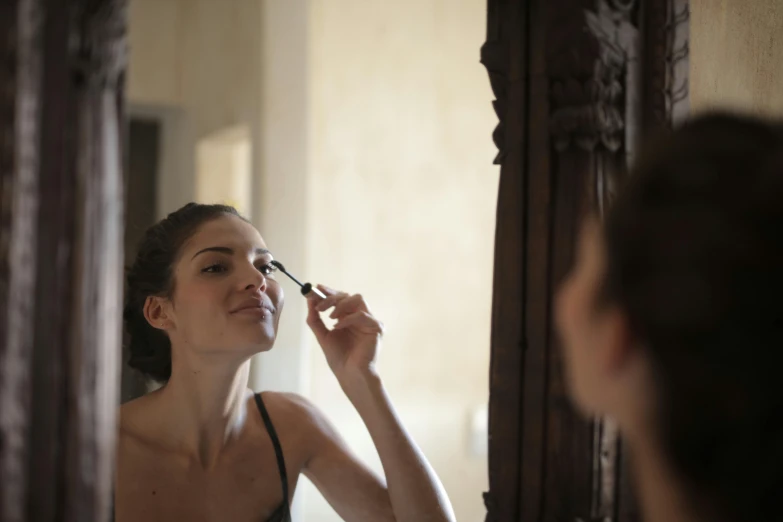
point(202, 299)
point(672, 324)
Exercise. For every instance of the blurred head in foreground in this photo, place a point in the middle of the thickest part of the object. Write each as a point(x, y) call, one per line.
point(671, 319)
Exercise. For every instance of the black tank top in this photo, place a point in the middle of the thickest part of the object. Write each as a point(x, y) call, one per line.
point(283, 511)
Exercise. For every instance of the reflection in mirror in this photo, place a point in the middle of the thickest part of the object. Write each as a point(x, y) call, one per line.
point(355, 137)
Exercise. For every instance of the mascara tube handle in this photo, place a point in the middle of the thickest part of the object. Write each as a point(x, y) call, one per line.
point(307, 288)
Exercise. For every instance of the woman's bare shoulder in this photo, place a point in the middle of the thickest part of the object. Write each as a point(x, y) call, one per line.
point(298, 413)
point(135, 420)
point(291, 402)
point(290, 407)
point(134, 408)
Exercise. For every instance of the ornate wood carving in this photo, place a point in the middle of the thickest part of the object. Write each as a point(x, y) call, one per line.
point(666, 52)
point(678, 59)
point(62, 229)
point(495, 57)
point(595, 122)
point(594, 74)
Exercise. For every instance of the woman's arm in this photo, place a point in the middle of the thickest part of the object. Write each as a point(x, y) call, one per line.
point(350, 487)
point(413, 491)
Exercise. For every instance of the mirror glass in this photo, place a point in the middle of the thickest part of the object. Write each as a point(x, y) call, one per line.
point(355, 135)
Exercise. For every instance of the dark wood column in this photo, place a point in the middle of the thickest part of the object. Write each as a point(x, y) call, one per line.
point(63, 64)
point(578, 83)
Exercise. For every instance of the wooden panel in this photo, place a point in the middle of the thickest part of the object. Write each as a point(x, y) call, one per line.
point(54, 286)
point(60, 292)
point(504, 57)
point(20, 54)
point(577, 110)
point(536, 273)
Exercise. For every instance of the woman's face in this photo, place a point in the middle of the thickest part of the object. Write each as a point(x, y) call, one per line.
point(590, 333)
point(225, 296)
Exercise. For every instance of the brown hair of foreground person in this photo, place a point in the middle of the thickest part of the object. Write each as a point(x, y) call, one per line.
point(671, 321)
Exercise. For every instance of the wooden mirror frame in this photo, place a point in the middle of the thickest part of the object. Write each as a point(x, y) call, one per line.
point(577, 84)
point(62, 70)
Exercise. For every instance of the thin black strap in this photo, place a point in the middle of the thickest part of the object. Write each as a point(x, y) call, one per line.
point(276, 443)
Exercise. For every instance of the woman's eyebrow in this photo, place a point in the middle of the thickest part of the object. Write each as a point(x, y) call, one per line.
point(229, 251)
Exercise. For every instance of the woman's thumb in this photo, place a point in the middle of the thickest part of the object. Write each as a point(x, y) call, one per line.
point(315, 322)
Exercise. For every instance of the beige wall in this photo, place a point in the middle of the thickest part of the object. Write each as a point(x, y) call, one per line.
point(197, 63)
point(154, 34)
point(401, 208)
point(224, 169)
point(737, 55)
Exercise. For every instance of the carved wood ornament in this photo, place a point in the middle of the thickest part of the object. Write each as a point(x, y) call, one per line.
point(577, 84)
point(63, 64)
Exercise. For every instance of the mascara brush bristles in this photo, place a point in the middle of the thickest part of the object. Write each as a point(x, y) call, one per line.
point(306, 287)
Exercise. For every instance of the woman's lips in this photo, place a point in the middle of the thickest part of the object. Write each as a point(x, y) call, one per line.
point(254, 311)
point(254, 303)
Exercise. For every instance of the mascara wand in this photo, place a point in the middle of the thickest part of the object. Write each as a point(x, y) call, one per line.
point(306, 287)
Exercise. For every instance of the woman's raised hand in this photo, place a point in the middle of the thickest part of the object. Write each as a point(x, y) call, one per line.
point(352, 345)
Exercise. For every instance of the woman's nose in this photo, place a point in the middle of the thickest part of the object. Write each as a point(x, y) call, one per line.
point(256, 280)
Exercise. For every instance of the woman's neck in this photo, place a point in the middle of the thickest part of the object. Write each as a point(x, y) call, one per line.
point(205, 404)
point(663, 497)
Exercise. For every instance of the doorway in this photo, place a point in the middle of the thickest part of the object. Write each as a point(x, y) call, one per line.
point(142, 166)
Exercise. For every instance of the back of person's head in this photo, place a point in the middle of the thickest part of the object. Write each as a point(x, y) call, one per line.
point(694, 256)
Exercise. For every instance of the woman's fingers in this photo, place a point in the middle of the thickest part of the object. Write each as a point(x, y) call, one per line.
point(314, 320)
point(361, 321)
point(330, 301)
point(351, 311)
point(348, 305)
point(328, 291)
point(331, 296)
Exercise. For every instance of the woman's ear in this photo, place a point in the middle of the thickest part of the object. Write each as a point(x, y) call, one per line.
point(155, 312)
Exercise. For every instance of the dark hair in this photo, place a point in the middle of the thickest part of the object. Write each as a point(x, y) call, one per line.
point(695, 258)
point(152, 275)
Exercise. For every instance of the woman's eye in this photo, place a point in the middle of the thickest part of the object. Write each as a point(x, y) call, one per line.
point(214, 269)
point(268, 269)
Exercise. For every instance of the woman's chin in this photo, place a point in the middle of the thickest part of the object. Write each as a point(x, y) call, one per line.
point(260, 340)
point(245, 339)
point(263, 347)
point(257, 327)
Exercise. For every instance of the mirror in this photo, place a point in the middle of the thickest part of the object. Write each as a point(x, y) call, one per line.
point(356, 136)
point(304, 115)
